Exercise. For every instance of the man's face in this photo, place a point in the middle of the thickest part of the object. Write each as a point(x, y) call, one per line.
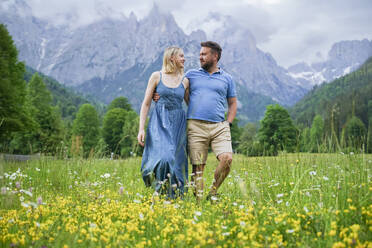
point(207, 58)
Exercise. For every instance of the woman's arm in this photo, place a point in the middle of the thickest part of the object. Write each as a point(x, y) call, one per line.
point(153, 81)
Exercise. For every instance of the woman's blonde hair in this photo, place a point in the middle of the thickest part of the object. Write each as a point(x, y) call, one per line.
point(170, 66)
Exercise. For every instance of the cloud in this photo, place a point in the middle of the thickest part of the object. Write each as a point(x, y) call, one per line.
point(304, 29)
point(291, 30)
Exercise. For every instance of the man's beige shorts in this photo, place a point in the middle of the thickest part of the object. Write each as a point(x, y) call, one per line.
point(201, 134)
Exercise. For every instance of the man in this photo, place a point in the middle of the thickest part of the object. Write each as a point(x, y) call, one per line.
point(209, 90)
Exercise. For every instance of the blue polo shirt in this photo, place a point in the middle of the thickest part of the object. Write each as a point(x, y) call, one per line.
point(208, 94)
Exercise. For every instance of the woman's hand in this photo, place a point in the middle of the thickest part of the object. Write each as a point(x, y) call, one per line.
point(141, 137)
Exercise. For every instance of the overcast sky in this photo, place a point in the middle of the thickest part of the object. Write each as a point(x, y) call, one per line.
point(291, 30)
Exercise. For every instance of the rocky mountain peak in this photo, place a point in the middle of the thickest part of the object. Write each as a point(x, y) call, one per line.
point(343, 58)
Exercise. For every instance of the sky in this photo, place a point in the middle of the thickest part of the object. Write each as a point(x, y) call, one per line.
point(291, 31)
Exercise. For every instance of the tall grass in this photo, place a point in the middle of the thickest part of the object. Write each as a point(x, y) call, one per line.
point(295, 200)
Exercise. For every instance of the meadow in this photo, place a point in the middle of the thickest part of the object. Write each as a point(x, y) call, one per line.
point(292, 200)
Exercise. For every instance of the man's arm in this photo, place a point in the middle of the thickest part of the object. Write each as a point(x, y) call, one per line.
point(233, 105)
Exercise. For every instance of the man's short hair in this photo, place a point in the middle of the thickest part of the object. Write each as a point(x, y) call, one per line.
point(214, 46)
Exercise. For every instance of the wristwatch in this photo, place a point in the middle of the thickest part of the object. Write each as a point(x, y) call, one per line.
point(230, 124)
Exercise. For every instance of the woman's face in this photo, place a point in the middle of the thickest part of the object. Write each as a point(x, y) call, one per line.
point(179, 59)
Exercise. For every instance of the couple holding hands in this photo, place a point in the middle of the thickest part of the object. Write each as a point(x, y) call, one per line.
point(171, 134)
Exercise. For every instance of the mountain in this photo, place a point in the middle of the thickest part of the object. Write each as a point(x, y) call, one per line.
point(344, 96)
point(255, 69)
point(343, 58)
point(114, 56)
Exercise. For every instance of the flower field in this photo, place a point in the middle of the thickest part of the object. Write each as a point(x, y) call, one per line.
point(292, 200)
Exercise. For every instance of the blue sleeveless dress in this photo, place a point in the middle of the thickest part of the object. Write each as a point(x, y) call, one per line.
point(164, 160)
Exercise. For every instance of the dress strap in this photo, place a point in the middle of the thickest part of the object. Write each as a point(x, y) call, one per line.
point(182, 81)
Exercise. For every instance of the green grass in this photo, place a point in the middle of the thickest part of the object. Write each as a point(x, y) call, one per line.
point(295, 200)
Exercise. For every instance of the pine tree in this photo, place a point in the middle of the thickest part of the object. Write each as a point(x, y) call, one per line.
point(277, 132)
point(120, 102)
point(49, 133)
point(355, 133)
point(316, 133)
point(112, 130)
point(13, 116)
point(305, 144)
point(86, 125)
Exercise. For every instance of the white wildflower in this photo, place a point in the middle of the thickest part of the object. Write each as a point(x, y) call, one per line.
point(198, 213)
point(141, 216)
point(24, 205)
point(306, 210)
point(106, 175)
point(26, 192)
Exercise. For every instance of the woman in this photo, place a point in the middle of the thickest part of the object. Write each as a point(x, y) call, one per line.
point(164, 160)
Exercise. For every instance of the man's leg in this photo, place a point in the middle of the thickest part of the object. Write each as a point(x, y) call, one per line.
point(197, 179)
point(221, 171)
point(198, 142)
point(221, 146)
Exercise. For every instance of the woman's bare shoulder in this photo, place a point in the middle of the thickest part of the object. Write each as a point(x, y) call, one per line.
point(155, 78)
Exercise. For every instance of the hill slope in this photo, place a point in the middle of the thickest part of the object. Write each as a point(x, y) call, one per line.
point(64, 98)
point(348, 94)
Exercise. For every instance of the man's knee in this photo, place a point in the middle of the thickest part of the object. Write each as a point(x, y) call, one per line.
point(225, 157)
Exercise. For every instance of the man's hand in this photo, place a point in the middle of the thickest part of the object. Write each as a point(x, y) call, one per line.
point(141, 137)
point(155, 97)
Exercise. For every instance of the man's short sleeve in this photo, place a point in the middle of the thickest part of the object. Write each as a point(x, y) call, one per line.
point(231, 91)
point(187, 74)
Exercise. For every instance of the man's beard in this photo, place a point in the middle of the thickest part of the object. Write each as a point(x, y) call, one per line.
point(207, 65)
